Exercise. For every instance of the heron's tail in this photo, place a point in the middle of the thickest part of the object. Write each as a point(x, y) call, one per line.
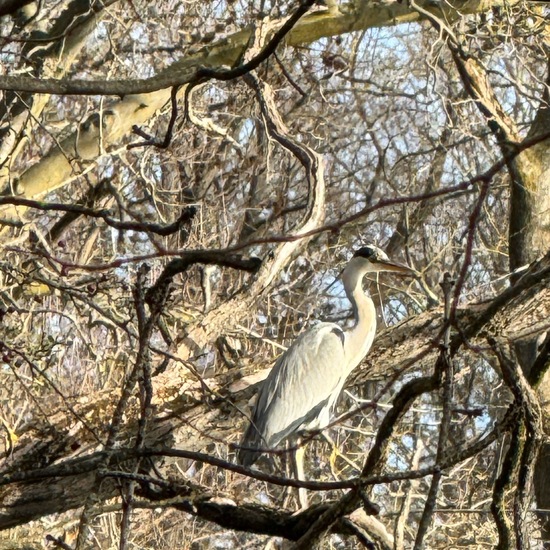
point(251, 440)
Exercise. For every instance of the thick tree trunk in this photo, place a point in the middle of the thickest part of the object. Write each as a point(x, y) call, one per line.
point(530, 193)
point(529, 237)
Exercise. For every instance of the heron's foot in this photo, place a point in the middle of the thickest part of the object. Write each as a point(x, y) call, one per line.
point(337, 453)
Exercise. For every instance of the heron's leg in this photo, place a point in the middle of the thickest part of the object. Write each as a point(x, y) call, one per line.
point(298, 467)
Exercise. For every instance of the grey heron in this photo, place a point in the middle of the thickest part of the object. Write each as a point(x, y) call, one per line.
point(303, 386)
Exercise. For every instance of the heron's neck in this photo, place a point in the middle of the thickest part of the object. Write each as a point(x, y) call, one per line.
point(360, 337)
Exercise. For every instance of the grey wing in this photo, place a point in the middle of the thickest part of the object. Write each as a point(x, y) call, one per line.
point(302, 383)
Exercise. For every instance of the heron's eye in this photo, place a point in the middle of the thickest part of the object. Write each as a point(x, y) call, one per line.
point(366, 252)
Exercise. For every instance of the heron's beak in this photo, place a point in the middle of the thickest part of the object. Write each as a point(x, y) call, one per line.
point(395, 267)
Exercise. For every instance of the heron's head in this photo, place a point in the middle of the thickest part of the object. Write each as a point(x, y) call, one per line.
point(371, 258)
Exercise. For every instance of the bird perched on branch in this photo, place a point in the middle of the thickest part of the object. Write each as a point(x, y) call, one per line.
point(303, 386)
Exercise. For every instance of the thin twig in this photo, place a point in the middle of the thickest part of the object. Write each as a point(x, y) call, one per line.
point(143, 367)
point(444, 371)
point(186, 215)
